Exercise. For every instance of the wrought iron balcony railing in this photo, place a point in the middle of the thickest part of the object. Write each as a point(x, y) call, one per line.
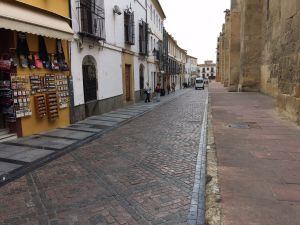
point(92, 19)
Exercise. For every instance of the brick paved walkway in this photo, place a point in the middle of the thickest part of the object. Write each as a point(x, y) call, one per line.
point(258, 159)
point(140, 173)
point(22, 155)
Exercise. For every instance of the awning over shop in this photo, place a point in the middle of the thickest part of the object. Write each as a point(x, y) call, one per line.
point(27, 20)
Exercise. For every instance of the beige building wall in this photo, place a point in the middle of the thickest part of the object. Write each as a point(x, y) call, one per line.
point(227, 48)
point(222, 56)
point(251, 44)
point(235, 40)
point(265, 56)
point(280, 68)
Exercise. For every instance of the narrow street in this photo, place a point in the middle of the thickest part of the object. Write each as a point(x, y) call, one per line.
point(140, 173)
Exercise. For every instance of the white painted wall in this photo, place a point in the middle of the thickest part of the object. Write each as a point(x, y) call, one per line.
point(109, 56)
point(207, 72)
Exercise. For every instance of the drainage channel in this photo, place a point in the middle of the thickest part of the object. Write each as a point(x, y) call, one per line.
point(197, 209)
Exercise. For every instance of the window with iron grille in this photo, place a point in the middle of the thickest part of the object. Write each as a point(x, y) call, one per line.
point(129, 27)
point(92, 18)
point(143, 38)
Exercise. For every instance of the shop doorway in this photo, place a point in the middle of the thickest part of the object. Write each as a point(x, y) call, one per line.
point(90, 85)
point(7, 54)
point(128, 82)
point(90, 82)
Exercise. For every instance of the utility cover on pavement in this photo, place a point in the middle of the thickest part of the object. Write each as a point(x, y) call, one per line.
point(239, 125)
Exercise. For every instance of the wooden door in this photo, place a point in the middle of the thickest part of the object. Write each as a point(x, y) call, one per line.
point(128, 82)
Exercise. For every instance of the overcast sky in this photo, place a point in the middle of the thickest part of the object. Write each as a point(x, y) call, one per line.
point(195, 24)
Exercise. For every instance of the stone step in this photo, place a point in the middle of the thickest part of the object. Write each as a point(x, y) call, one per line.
point(3, 132)
point(7, 137)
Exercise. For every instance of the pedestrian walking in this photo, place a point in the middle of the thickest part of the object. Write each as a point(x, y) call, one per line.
point(168, 88)
point(173, 87)
point(148, 93)
point(157, 91)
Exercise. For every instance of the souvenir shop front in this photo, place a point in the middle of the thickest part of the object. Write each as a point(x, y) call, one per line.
point(34, 75)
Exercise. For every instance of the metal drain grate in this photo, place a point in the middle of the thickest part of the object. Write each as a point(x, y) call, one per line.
point(239, 125)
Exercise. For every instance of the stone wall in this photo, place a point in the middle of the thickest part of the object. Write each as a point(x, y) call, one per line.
point(226, 47)
point(280, 69)
point(235, 40)
point(251, 31)
point(264, 51)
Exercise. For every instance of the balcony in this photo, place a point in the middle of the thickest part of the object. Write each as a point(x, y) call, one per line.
point(143, 38)
point(129, 27)
point(92, 19)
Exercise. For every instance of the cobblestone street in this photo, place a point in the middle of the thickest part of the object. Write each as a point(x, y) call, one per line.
point(139, 173)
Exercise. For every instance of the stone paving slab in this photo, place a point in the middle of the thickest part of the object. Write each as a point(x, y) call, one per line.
point(116, 115)
point(47, 142)
point(125, 112)
point(84, 127)
point(31, 155)
point(106, 118)
point(72, 134)
point(25, 154)
point(98, 122)
point(139, 110)
point(8, 167)
point(9, 150)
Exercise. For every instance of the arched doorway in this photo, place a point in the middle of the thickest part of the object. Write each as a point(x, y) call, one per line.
point(89, 74)
point(142, 78)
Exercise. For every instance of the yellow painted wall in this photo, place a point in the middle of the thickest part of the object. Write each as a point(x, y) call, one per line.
point(59, 7)
point(32, 125)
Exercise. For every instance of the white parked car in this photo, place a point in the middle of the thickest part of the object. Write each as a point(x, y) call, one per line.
point(199, 83)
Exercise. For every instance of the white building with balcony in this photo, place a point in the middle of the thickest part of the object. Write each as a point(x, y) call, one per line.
point(191, 69)
point(156, 17)
point(207, 69)
point(109, 54)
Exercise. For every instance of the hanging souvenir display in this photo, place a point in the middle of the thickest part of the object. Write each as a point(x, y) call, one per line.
point(63, 66)
point(31, 62)
point(6, 101)
point(50, 83)
point(22, 49)
point(52, 107)
point(21, 95)
point(54, 62)
point(37, 61)
point(40, 106)
point(36, 84)
point(43, 53)
point(62, 91)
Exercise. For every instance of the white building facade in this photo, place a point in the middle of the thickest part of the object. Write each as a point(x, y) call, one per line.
point(110, 53)
point(191, 69)
point(156, 19)
point(207, 70)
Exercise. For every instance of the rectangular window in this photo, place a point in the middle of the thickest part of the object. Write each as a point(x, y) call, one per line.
point(92, 19)
point(129, 27)
point(143, 38)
